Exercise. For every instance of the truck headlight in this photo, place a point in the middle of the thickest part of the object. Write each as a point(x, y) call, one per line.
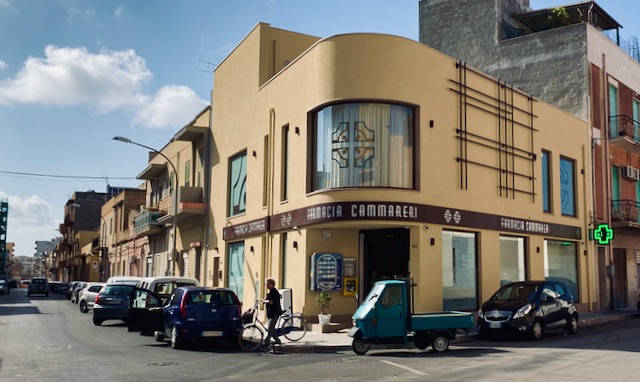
point(480, 315)
point(522, 311)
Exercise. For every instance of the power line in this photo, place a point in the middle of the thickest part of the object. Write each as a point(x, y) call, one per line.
point(58, 176)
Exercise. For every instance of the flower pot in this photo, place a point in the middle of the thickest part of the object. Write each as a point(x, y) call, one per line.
point(324, 319)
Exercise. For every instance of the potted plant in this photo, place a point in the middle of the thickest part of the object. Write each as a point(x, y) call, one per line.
point(323, 299)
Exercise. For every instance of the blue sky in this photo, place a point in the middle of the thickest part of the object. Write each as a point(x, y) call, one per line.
point(75, 73)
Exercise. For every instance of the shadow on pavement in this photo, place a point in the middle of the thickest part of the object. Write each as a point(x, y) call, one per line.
point(451, 353)
point(15, 310)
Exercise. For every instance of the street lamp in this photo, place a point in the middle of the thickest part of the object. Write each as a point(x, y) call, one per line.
point(101, 245)
point(175, 196)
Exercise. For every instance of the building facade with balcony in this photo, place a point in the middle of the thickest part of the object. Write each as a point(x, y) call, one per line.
point(80, 226)
point(124, 253)
point(564, 56)
point(176, 204)
point(340, 161)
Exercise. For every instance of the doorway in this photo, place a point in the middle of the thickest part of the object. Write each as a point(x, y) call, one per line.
point(386, 255)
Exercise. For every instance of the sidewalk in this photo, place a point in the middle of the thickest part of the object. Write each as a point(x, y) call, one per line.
point(315, 342)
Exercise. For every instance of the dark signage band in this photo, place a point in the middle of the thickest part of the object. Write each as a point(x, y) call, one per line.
point(407, 212)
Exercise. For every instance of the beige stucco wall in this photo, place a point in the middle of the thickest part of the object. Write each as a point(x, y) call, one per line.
point(385, 68)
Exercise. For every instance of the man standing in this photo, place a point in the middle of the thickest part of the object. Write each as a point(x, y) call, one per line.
point(273, 310)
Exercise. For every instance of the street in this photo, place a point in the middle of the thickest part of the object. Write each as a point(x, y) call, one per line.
point(49, 339)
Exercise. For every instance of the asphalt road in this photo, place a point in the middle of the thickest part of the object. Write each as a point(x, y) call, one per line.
point(48, 339)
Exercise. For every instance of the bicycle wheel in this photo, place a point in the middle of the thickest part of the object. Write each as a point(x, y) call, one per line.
point(294, 327)
point(250, 338)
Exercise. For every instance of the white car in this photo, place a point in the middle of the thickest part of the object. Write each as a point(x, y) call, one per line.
point(4, 287)
point(87, 296)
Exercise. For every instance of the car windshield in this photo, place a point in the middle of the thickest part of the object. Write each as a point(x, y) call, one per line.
point(164, 289)
point(215, 297)
point(118, 290)
point(516, 292)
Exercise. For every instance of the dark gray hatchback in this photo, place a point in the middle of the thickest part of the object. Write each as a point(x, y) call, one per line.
point(38, 285)
point(528, 308)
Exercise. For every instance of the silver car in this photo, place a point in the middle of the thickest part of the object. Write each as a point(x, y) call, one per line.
point(87, 296)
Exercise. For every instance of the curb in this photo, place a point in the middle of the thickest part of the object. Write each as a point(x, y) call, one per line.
point(595, 321)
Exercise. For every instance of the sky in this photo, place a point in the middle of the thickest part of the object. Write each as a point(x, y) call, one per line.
point(76, 73)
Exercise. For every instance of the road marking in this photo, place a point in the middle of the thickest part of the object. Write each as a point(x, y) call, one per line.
point(403, 367)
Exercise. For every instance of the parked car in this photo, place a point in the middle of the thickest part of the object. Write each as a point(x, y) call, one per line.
point(112, 302)
point(87, 296)
point(192, 313)
point(76, 287)
point(528, 308)
point(638, 302)
point(13, 283)
point(4, 287)
point(24, 283)
point(164, 286)
point(38, 285)
point(125, 279)
point(62, 288)
point(53, 285)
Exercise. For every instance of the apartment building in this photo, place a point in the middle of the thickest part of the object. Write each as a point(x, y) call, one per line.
point(571, 56)
point(340, 161)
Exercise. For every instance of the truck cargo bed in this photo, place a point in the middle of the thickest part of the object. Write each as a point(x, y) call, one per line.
point(441, 320)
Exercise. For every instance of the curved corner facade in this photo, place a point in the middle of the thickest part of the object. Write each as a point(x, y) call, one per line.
point(342, 161)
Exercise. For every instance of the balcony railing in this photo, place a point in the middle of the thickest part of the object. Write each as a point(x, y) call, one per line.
point(625, 133)
point(625, 211)
point(146, 223)
point(624, 126)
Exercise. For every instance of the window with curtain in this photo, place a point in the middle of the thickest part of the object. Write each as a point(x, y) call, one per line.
point(546, 184)
point(237, 184)
point(568, 186)
point(363, 145)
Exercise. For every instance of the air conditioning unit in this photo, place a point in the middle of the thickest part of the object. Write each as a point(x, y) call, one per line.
point(631, 173)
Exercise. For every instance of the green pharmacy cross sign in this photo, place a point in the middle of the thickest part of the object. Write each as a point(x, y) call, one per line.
point(603, 234)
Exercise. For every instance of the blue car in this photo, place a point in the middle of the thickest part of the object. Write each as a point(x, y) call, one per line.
point(190, 313)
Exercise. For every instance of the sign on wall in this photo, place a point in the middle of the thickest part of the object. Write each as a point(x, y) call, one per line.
point(326, 272)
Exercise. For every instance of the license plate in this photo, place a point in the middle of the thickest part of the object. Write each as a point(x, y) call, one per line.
point(495, 325)
point(212, 333)
point(114, 302)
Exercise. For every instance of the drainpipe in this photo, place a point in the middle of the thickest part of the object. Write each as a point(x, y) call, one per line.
point(607, 172)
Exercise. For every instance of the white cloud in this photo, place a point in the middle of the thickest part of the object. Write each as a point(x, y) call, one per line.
point(30, 219)
point(67, 76)
point(171, 106)
point(119, 10)
point(3, 65)
point(5, 3)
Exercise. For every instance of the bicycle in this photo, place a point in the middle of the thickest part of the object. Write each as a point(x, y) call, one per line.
point(292, 326)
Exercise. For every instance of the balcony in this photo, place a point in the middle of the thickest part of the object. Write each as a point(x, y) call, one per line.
point(624, 213)
point(146, 223)
point(625, 133)
point(190, 204)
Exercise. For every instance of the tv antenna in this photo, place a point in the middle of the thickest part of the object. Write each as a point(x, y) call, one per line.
point(206, 66)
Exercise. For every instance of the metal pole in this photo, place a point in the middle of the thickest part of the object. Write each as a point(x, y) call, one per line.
point(175, 196)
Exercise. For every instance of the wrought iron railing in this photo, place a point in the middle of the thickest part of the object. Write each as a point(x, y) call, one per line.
point(625, 211)
point(623, 125)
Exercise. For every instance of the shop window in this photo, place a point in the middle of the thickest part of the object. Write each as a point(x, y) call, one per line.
point(561, 264)
point(568, 186)
point(235, 268)
point(238, 184)
point(363, 145)
point(187, 173)
point(512, 259)
point(459, 271)
point(284, 193)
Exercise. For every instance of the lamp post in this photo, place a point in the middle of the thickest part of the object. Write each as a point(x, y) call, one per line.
point(101, 245)
point(175, 196)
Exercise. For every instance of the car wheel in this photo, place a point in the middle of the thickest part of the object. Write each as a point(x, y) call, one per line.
point(421, 340)
point(572, 325)
point(28, 294)
point(83, 306)
point(536, 330)
point(440, 343)
point(97, 321)
point(158, 335)
point(360, 346)
point(176, 341)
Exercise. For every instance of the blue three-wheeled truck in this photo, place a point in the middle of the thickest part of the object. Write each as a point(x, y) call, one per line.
point(386, 317)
